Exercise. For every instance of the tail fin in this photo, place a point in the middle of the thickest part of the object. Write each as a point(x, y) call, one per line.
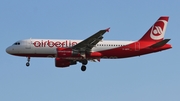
point(157, 31)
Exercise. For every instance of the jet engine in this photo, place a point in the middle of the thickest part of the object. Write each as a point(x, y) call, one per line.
point(63, 62)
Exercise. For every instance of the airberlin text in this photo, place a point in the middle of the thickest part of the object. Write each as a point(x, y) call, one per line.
point(51, 44)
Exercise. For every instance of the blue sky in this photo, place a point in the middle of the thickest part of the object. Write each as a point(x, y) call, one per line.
point(153, 77)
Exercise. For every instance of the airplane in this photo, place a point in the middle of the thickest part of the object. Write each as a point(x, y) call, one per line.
point(68, 52)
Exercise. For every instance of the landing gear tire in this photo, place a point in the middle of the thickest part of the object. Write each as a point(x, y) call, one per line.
point(83, 68)
point(84, 62)
point(28, 60)
point(27, 64)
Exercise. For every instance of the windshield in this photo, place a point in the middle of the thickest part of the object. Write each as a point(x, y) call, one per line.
point(17, 43)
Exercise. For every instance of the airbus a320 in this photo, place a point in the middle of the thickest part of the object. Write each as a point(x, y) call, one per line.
point(69, 52)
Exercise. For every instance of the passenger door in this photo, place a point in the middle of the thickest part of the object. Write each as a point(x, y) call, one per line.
point(28, 44)
point(137, 46)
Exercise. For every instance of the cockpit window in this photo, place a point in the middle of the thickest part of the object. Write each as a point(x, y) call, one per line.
point(17, 43)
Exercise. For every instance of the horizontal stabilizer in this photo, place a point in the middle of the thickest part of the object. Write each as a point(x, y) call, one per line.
point(160, 44)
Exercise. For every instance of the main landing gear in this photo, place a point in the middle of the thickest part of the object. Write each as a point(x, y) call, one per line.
point(28, 60)
point(83, 67)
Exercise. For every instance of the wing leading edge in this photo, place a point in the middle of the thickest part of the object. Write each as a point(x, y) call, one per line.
point(87, 44)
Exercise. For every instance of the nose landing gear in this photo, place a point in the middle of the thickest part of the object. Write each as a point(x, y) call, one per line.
point(28, 60)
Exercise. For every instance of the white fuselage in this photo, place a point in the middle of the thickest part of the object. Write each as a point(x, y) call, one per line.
point(49, 46)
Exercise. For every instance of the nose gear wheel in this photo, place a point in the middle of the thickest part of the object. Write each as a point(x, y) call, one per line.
point(28, 60)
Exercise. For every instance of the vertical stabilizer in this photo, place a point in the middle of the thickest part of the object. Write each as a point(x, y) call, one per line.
point(157, 31)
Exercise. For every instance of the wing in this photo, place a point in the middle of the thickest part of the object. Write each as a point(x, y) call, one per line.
point(87, 44)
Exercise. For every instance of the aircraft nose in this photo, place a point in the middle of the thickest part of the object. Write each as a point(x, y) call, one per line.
point(8, 50)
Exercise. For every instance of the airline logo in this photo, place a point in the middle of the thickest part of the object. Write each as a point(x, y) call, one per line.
point(157, 31)
point(51, 44)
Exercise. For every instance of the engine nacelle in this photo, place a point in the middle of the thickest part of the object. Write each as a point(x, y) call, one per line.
point(63, 63)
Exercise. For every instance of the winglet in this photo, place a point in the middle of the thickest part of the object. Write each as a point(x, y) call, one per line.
point(107, 30)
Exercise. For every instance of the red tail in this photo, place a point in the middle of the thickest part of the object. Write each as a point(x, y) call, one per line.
point(157, 31)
